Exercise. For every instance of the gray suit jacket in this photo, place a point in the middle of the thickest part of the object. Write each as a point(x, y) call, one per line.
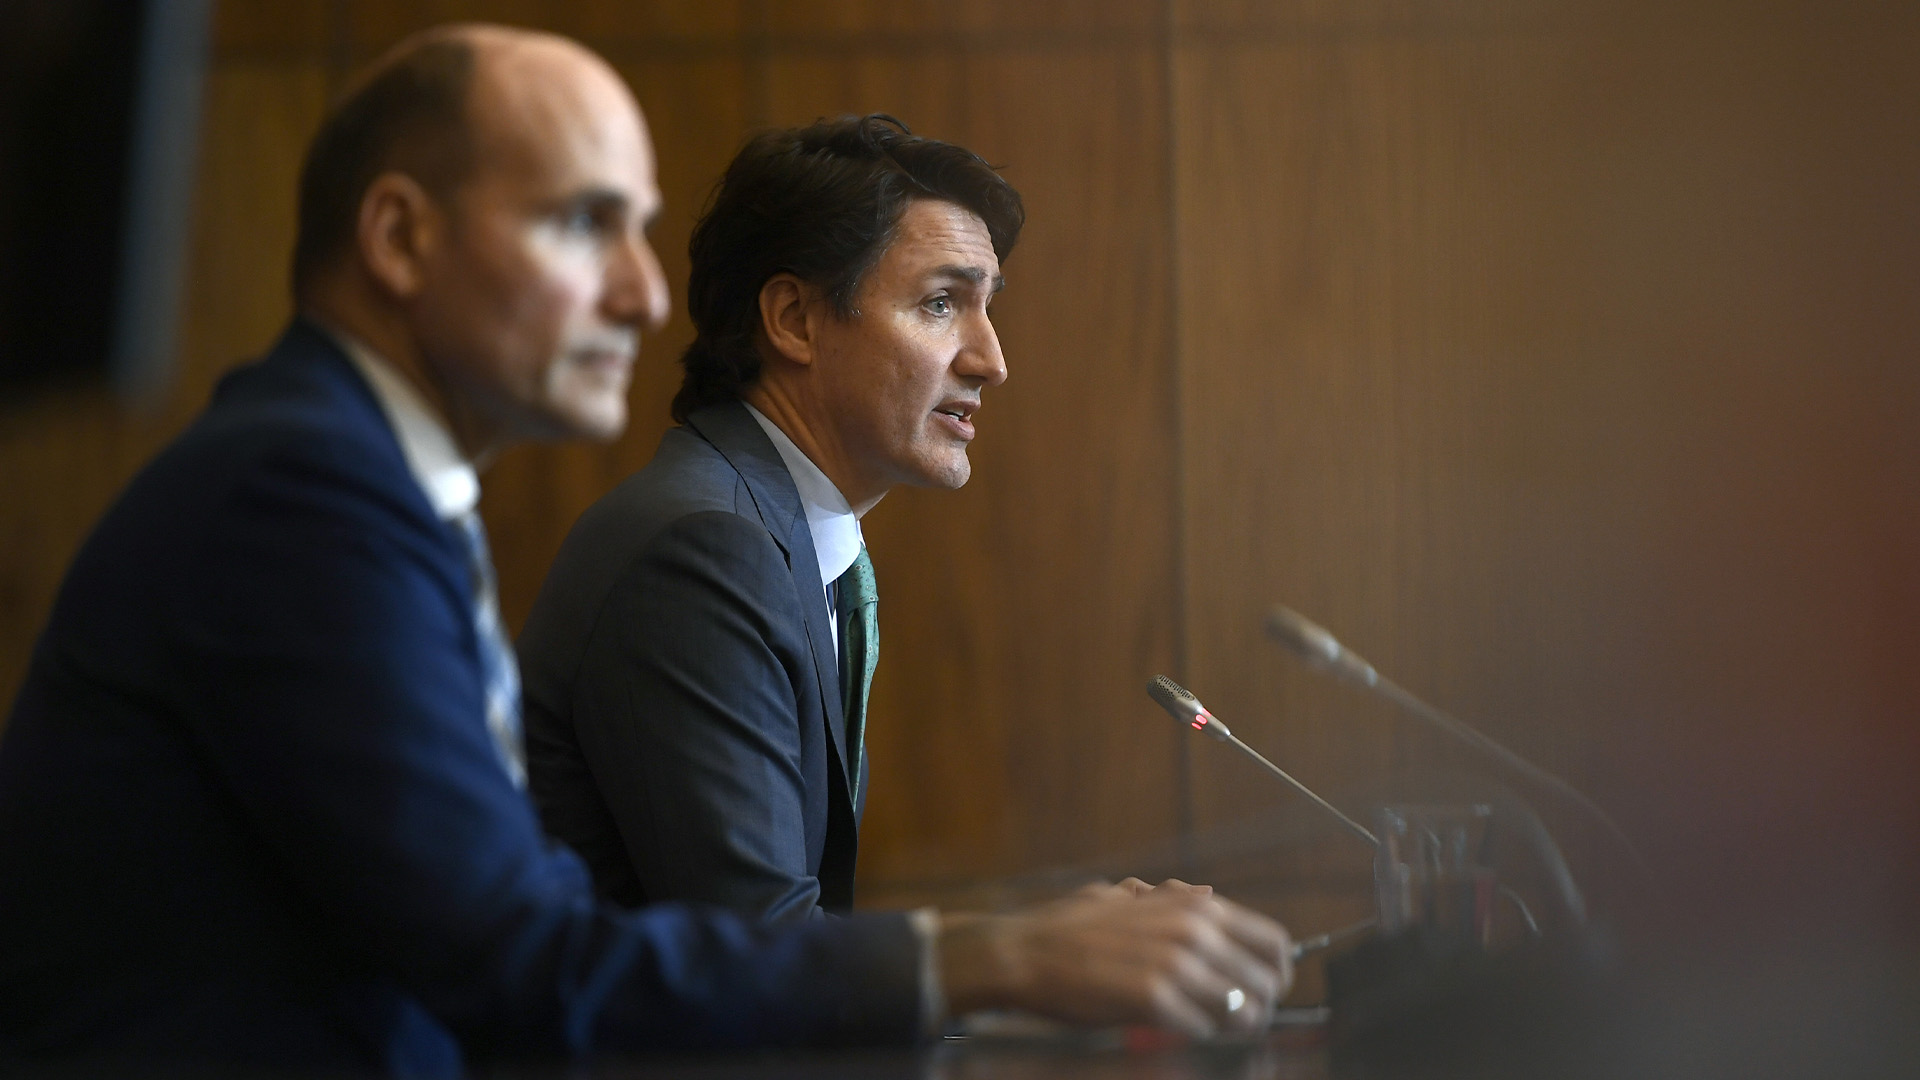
point(684, 732)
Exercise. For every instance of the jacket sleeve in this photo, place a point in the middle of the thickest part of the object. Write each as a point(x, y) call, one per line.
point(343, 712)
point(687, 706)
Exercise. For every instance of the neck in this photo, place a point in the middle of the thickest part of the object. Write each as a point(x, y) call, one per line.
point(815, 439)
point(480, 440)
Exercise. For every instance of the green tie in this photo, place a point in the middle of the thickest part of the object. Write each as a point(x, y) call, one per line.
point(857, 606)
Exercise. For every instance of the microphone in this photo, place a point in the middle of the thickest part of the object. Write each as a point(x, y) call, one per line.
point(1186, 709)
point(1322, 651)
point(1313, 644)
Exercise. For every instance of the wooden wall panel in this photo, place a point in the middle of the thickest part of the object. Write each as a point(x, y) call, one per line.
point(1023, 613)
point(66, 457)
point(283, 27)
point(1241, 20)
point(612, 25)
point(1348, 353)
point(1350, 448)
point(934, 24)
point(1560, 373)
point(371, 26)
point(1749, 244)
point(259, 118)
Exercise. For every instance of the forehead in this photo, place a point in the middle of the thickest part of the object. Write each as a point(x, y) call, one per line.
point(935, 235)
point(549, 120)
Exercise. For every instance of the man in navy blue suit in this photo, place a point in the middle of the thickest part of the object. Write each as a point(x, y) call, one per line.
point(260, 795)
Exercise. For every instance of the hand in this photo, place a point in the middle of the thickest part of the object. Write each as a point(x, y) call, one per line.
point(1169, 956)
point(1133, 886)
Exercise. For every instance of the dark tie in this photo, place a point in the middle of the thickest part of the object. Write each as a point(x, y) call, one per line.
point(497, 664)
point(857, 605)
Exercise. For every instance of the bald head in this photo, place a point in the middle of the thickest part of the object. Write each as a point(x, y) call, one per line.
point(475, 212)
point(431, 108)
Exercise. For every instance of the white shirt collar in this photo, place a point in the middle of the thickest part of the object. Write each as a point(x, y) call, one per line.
point(834, 525)
point(451, 484)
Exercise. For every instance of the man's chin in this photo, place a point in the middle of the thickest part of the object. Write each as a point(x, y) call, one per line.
point(603, 428)
point(589, 399)
point(949, 475)
point(602, 422)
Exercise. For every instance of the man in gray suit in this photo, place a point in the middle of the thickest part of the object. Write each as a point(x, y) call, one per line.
point(697, 664)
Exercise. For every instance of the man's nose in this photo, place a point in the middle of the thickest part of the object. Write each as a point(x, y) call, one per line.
point(980, 355)
point(636, 286)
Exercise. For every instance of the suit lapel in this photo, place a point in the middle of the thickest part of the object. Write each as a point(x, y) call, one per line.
point(309, 353)
point(735, 433)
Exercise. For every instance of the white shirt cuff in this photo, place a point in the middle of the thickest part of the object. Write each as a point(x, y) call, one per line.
point(933, 993)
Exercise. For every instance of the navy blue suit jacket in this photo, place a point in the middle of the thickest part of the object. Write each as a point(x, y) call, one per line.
point(250, 811)
point(684, 729)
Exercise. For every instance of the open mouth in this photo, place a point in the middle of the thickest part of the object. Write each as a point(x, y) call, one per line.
point(962, 413)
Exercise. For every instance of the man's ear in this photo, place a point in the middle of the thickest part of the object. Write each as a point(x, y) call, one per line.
point(789, 308)
point(399, 226)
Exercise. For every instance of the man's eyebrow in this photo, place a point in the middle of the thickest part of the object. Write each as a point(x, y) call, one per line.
point(600, 200)
point(971, 274)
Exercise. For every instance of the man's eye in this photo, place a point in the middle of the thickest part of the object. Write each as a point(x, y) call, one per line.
point(582, 222)
point(940, 305)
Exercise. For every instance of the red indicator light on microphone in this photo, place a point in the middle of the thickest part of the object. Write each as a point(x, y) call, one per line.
point(1200, 721)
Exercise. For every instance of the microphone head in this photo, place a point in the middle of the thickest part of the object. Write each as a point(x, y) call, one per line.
point(1304, 636)
point(1311, 642)
point(1185, 708)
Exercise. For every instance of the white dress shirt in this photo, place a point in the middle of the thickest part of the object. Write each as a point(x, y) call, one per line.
point(830, 518)
point(451, 483)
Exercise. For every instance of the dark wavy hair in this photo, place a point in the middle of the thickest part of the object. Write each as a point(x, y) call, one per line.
point(820, 202)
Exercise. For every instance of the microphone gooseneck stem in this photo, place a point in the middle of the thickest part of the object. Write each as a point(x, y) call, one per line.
point(1470, 735)
point(1322, 651)
point(1309, 946)
point(1352, 826)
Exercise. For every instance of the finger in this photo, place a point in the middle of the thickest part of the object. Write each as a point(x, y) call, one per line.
point(1099, 889)
point(1259, 935)
point(1265, 942)
point(1262, 979)
point(1177, 886)
point(1286, 971)
point(1229, 1004)
point(1133, 886)
point(1173, 1007)
point(1261, 984)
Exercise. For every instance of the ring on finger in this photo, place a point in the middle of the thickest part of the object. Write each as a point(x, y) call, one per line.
point(1236, 1000)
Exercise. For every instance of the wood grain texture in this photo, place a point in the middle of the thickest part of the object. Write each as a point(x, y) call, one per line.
point(1325, 20)
point(273, 26)
point(1022, 614)
point(373, 25)
point(890, 24)
point(65, 458)
point(1744, 229)
point(1558, 375)
point(1348, 351)
point(609, 24)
